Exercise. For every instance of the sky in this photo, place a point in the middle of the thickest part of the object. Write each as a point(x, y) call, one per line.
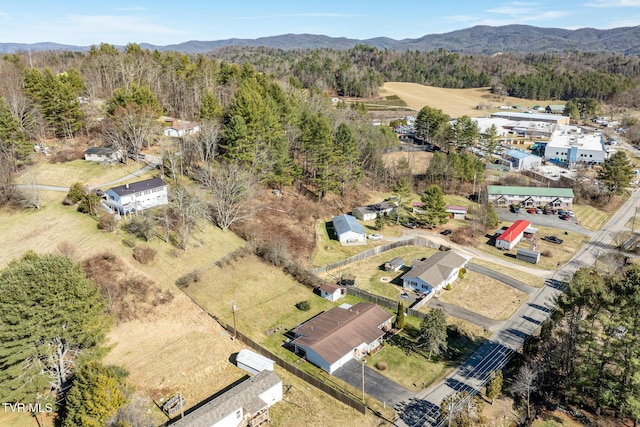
point(160, 22)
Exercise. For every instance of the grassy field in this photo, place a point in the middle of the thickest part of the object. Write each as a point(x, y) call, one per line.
point(413, 370)
point(370, 271)
point(484, 295)
point(90, 173)
point(454, 102)
point(418, 160)
point(593, 218)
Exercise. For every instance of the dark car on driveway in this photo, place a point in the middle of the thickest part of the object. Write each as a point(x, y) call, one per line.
point(410, 224)
point(446, 232)
point(553, 239)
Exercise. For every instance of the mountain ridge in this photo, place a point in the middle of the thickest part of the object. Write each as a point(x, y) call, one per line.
point(480, 39)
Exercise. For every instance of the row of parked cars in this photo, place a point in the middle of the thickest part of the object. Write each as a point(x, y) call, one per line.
point(546, 211)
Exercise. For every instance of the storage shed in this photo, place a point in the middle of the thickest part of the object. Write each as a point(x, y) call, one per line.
point(527, 255)
point(394, 265)
point(253, 362)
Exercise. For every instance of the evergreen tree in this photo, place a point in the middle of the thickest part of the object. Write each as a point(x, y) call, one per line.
point(380, 221)
point(434, 206)
point(464, 132)
point(139, 97)
point(433, 333)
point(494, 386)
point(51, 314)
point(399, 320)
point(11, 135)
point(616, 173)
point(432, 125)
point(402, 193)
point(491, 140)
point(96, 394)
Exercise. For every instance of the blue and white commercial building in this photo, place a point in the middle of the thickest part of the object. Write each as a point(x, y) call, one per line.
point(576, 148)
point(520, 160)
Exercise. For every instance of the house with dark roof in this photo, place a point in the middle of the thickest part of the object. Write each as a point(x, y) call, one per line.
point(334, 337)
point(246, 404)
point(434, 273)
point(137, 196)
point(349, 230)
point(370, 212)
point(102, 154)
point(512, 235)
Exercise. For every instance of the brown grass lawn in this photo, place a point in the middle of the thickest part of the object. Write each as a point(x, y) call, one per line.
point(8, 419)
point(370, 271)
point(527, 278)
point(593, 218)
point(418, 160)
point(264, 297)
point(90, 173)
point(413, 370)
point(304, 405)
point(484, 295)
point(454, 102)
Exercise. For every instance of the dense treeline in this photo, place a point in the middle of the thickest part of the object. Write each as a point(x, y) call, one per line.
point(588, 354)
point(278, 132)
point(358, 71)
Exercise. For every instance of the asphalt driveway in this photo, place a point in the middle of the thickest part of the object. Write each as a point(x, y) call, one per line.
point(375, 384)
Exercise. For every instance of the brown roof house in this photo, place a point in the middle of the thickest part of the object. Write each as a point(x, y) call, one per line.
point(336, 336)
point(246, 404)
point(434, 273)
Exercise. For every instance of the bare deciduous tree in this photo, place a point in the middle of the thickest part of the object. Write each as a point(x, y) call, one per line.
point(525, 383)
point(232, 191)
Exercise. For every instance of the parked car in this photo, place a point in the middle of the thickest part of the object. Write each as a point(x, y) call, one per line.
point(565, 217)
point(571, 214)
point(548, 212)
point(410, 224)
point(99, 192)
point(553, 239)
point(538, 211)
point(515, 209)
point(531, 210)
point(375, 236)
point(446, 232)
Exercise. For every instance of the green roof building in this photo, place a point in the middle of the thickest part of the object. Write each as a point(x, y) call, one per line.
point(504, 195)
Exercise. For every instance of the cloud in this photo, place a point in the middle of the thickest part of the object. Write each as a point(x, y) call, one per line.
point(304, 15)
point(613, 3)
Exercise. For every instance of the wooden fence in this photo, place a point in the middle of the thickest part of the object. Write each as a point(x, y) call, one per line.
point(414, 241)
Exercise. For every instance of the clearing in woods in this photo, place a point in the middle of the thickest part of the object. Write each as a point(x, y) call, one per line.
point(454, 102)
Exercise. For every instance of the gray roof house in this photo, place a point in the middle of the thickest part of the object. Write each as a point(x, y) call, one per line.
point(370, 212)
point(245, 404)
point(349, 230)
point(434, 273)
point(102, 154)
point(138, 195)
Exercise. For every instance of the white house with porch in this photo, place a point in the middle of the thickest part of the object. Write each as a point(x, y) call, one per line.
point(137, 196)
point(434, 273)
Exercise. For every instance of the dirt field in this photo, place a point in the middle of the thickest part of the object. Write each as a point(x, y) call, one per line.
point(454, 102)
point(418, 160)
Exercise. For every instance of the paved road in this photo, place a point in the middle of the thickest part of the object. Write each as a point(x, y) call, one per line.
point(423, 409)
point(375, 384)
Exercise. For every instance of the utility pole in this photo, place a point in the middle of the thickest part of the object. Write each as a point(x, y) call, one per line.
point(233, 310)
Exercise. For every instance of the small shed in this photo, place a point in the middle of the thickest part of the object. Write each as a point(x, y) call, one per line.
point(253, 362)
point(527, 255)
point(332, 292)
point(457, 212)
point(394, 265)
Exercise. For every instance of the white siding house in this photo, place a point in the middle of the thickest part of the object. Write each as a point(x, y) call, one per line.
point(434, 273)
point(247, 403)
point(332, 292)
point(370, 212)
point(181, 129)
point(102, 154)
point(137, 195)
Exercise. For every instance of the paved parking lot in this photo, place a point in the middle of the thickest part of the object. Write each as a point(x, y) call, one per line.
point(553, 221)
